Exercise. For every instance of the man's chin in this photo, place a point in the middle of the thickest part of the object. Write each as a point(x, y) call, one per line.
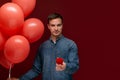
point(56, 35)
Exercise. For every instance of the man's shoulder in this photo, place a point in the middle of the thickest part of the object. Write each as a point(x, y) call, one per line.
point(45, 42)
point(69, 40)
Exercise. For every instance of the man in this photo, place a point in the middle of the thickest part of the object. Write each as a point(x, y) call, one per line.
point(50, 50)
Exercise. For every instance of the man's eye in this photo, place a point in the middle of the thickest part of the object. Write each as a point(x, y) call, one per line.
point(59, 25)
point(52, 25)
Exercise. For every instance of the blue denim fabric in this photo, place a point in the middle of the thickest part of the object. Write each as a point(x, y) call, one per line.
point(45, 61)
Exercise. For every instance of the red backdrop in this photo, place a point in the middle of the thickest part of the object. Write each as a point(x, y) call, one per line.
point(90, 24)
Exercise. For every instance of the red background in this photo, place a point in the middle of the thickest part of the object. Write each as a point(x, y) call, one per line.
point(92, 24)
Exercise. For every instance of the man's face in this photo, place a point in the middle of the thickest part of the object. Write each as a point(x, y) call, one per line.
point(55, 26)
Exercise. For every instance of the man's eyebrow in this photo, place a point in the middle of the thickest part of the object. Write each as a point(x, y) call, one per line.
point(52, 24)
point(59, 24)
point(56, 24)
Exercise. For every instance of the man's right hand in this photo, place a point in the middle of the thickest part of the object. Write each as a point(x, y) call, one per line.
point(12, 79)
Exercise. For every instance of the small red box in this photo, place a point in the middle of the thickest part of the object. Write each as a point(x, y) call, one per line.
point(59, 60)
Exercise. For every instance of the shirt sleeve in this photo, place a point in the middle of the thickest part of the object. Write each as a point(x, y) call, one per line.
point(73, 61)
point(36, 68)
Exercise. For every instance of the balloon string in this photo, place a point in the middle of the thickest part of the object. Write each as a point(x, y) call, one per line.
point(10, 72)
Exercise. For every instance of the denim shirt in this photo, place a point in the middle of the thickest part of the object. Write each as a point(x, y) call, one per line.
point(45, 61)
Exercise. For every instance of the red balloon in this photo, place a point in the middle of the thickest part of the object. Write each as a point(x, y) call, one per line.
point(26, 5)
point(2, 41)
point(59, 60)
point(11, 18)
point(33, 29)
point(4, 62)
point(16, 49)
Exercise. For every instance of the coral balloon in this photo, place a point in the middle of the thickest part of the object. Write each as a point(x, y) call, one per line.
point(11, 18)
point(26, 5)
point(33, 29)
point(2, 41)
point(16, 49)
point(4, 62)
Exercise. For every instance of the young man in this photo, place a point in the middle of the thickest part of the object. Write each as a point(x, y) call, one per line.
point(50, 50)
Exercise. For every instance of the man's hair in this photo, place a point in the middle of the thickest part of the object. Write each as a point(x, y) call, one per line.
point(54, 16)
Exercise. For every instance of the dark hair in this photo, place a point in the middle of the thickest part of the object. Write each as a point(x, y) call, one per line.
point(54, 16)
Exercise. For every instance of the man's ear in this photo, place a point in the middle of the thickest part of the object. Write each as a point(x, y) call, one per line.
point(48, 26)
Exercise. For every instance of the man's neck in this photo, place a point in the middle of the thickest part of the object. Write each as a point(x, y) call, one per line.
point(54, 38)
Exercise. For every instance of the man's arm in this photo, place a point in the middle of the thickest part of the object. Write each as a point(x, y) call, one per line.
point(36, 68)
point(73, 60)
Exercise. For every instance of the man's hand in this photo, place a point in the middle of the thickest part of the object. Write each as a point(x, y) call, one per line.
point(12, 79)
point(60, 67)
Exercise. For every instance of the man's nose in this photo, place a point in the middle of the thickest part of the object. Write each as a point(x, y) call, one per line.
point(56, 28)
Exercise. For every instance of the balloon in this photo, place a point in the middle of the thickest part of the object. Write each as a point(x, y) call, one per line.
point(59, 60)
point(26, 5)
point(33, 29)
point(4, 62)
point(16, 49)
point(11, 18)
point(2, 41)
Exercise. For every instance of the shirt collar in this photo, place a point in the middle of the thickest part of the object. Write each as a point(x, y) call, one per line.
point(60, 37)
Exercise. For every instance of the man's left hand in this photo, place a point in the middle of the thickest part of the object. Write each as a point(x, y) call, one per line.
point(60, 67)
